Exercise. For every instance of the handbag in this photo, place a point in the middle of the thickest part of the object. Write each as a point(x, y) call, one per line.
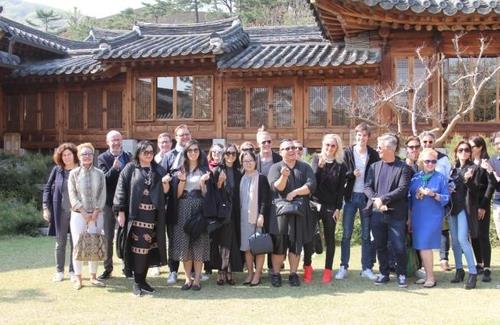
point(290, 208)
point(195, 226)
point(90, 247)
point(260, 243)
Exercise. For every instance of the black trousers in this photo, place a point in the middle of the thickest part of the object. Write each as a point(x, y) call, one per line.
point(481, 244)
point(329, 225)
point(173, 266)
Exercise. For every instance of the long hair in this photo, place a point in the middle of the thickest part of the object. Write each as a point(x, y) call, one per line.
point(236, 164)
point(57, 157)
point(461, 142)
point(479, 142)
point(186, 159)
point(339, 153)
point(141, 147)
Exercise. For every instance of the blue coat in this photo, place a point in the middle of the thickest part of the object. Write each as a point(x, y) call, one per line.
point(52, 198)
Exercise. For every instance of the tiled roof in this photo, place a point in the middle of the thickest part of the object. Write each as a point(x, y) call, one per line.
point(448, 7)
point(8, 60)
point(286, 47)
point(78, 65)
point(96, 34)
point(161, 40)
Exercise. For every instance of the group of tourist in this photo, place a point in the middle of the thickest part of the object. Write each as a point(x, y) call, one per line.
point(207, 206)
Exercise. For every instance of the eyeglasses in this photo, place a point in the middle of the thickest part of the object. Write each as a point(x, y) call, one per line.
point(216, 152)
point(248, 161)
point(430, 161)
point(265, 142)
point(300, 148)
point(289, 148)
point(230, 153)
point(183, 135)
point(330, 145)
point(87, 154)
point(428, 141)
point(466, 150)
point(413, 147)
point(148, 152)
point(195, 150)
point(247, 149)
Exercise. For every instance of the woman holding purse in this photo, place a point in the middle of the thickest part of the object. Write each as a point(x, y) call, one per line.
point(57, 208)
point(254, 206)
point(140, 206)
point(87, 195)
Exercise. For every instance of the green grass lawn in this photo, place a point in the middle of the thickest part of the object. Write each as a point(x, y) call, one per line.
point(28, 295)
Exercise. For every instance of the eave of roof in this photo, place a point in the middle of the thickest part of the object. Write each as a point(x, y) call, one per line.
point(9, 61)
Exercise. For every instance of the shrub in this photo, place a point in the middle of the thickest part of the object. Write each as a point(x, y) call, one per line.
point(19, 217)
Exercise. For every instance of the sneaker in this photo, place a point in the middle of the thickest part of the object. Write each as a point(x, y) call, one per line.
point(58, 277)
point(381, 280)
point(293, 280)
point(342, 273)
point(105, 275)
point(420, 274)
point(172, 278)
point(368, 274)
point(136, 290)
point(155, 271)
point(72, 277)
point(402, 281)
point(486, 275)
point(204, 277)
point(146, 288)
point(327, 276)
point(276, 280)
point(308, 274)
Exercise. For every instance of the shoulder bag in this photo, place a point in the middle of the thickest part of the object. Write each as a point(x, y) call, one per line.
point(90, 247)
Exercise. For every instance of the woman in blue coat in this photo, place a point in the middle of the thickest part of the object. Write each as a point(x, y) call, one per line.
point(56, 206)
point(428, 197)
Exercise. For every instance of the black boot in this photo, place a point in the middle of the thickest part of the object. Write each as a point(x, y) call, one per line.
point(471, 281)
point(459, 276)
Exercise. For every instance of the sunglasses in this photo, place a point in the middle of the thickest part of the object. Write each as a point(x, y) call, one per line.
point(429, 142)
point(218, 153)
point(466, 150)
point(265, 142)
point(300, 148)
point(414, 147)
point(148, 152)
point(289, 148)
point(230, 153)
point(430, 161)
point(247, 149)
point(195, 150)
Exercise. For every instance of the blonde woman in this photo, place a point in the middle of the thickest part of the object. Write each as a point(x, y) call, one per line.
point(329, 169)
point(87, 196)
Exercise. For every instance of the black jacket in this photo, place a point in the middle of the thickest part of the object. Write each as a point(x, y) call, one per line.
point(52, 198)
point(397, 198)
point(351, 166)
point(105, 163)
point(330, 183)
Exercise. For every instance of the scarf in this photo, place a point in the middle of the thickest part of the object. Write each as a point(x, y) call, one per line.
point(253, 204)
point(425, 178)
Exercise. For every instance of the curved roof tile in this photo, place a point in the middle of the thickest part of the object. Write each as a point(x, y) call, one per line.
point(447, 7)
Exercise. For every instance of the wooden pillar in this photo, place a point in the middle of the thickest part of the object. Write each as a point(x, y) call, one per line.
point(61, 113)
point(2, 114)
point(386, 63)
point(128, 104)
point(217, 104)
point(299, 108)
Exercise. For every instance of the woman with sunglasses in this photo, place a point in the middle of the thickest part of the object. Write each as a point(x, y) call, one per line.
point(486, 188)
point(139, 203)
point(226, 237)
point(428, 196)
point(463, 218)
point(214, 156)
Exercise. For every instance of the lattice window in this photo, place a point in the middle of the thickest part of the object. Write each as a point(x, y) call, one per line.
point(236, 107)
point(258, 107)
point(184, 97)
point(30, 112)
point(48, 111)
point(75, 110)
point(282, 107)
point(202, 97)
point(94, 108)
point(13, 109)
point(341, 104)
point(318, 105)
point(165, 97)
point(114, 109)
point(143, 97)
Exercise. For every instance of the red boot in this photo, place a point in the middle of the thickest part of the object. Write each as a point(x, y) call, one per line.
point(327, 276)
point(308, 274)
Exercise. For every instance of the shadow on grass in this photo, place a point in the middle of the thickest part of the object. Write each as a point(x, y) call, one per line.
point(15, 296)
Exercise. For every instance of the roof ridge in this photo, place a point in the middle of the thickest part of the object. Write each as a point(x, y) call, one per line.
point(199, 24)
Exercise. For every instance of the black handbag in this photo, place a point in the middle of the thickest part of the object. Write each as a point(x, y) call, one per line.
point(195, 226)
point(260, 243)
point(290, 208)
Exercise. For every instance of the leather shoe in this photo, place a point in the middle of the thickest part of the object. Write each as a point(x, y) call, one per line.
point(128, 273)
point(105, 275)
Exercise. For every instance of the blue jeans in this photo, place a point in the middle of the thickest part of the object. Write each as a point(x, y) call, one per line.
point(459, 230)
point(389, 229)
point(357, 203)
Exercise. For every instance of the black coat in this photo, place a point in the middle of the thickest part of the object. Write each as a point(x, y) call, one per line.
point(472, 198)
point(52, 198)
point(128, 195)
point(397, 198)
point(105, 163)
point(330, 183)
point(351, 166)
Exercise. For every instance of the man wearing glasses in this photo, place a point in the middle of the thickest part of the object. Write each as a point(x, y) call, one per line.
point(428, 140)
point(266, 157)
point(358, 159)
point(164, 146)
point(112, 162)
point(412, 152)
point(290, 179)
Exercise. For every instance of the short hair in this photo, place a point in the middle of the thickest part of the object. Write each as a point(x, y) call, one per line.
point(339, 153)
point(112, 133)
point(57, 157)
point(412, 138)
point(142, 146)
point(83, 146)
point(424, 153)
point(248, 153)
point(285, 140)
point(262, 132)
point(428, 133)
point(165, 134)
point(390, 140)
point(363, 127)
point(180, 127)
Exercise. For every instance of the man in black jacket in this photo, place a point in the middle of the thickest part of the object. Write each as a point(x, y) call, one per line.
point(386, 188)
point(111, 162)
point(358, 159)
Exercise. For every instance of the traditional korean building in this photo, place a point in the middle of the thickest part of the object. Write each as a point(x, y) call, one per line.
point(225, 80)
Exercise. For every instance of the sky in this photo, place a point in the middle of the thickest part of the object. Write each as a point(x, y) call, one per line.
point(93, 8)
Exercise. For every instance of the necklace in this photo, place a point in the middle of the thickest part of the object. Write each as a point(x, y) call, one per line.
point(147, 173)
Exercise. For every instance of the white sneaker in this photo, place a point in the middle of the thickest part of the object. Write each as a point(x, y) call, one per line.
point(155, 271)
point(58, 277)
point(172, 278)
point(204, 277)
point(341, 274)
point(368, 273)
point(420, 274)
point(72, 277)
